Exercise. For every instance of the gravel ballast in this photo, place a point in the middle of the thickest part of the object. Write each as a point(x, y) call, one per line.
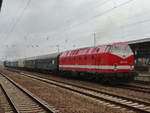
point(114, 89)
point(63, 100)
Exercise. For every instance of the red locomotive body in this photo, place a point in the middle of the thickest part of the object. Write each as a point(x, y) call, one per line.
point(112, 58)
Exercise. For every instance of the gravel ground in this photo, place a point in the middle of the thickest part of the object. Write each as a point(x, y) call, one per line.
point(119, 91)
point(4, 105)
point(140, 85)
point(1, 108)
point(63, 100)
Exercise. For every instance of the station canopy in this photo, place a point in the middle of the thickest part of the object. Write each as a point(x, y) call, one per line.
point(141, 49)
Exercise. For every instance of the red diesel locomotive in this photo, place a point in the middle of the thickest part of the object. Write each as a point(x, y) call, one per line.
point(113, 61)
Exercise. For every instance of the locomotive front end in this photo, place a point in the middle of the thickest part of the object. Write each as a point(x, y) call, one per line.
point(122, 58)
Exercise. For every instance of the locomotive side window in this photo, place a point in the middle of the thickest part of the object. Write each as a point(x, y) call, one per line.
point(85, 57)
point(79, 58)
point(97, 50)
point(92, 57)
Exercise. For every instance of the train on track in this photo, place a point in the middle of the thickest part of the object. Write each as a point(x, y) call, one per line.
point(111, 62)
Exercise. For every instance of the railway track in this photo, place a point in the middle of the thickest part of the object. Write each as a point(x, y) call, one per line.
point(123, 86)
point(135, 88)
point(6, 104)
point(20, 99)
point(104, 97)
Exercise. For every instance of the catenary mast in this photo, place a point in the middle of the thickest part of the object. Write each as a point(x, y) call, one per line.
point(1, 4)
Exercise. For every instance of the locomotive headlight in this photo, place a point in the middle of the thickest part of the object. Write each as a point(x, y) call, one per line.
point(115, 67)
point(131, 67)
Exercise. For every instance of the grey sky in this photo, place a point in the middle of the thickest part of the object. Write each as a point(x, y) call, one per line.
point(69, 24)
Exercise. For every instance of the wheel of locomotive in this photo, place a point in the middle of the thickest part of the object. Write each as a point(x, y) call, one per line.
point(75, 74)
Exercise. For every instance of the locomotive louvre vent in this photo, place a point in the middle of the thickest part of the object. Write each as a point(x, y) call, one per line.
point(92, 57)
point(97, 50)
point(79, 58)
point(85, 57)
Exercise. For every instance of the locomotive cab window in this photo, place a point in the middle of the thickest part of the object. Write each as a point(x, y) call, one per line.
point(108, 48)
point(121, 49)
point(124, 50)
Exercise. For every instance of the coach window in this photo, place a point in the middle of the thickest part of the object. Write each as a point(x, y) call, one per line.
point(53, 61)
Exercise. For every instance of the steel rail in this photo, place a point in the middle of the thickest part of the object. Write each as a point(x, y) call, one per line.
point(139, 87)
point(33, 97)
point(10, 101)
point(134, 88)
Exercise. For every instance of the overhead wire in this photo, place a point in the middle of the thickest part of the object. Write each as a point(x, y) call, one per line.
point(11, 20)
point(98, 15)
point(98, 4)
point(105, 12)
point(1, 1)
point(18, 19)
point(138, 22)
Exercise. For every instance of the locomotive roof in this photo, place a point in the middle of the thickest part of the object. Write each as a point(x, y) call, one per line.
point(117, 43)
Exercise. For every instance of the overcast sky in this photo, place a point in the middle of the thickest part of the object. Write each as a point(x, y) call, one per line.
point(36, 27)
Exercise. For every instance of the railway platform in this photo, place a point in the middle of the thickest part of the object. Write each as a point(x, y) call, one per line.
point(143, 76)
